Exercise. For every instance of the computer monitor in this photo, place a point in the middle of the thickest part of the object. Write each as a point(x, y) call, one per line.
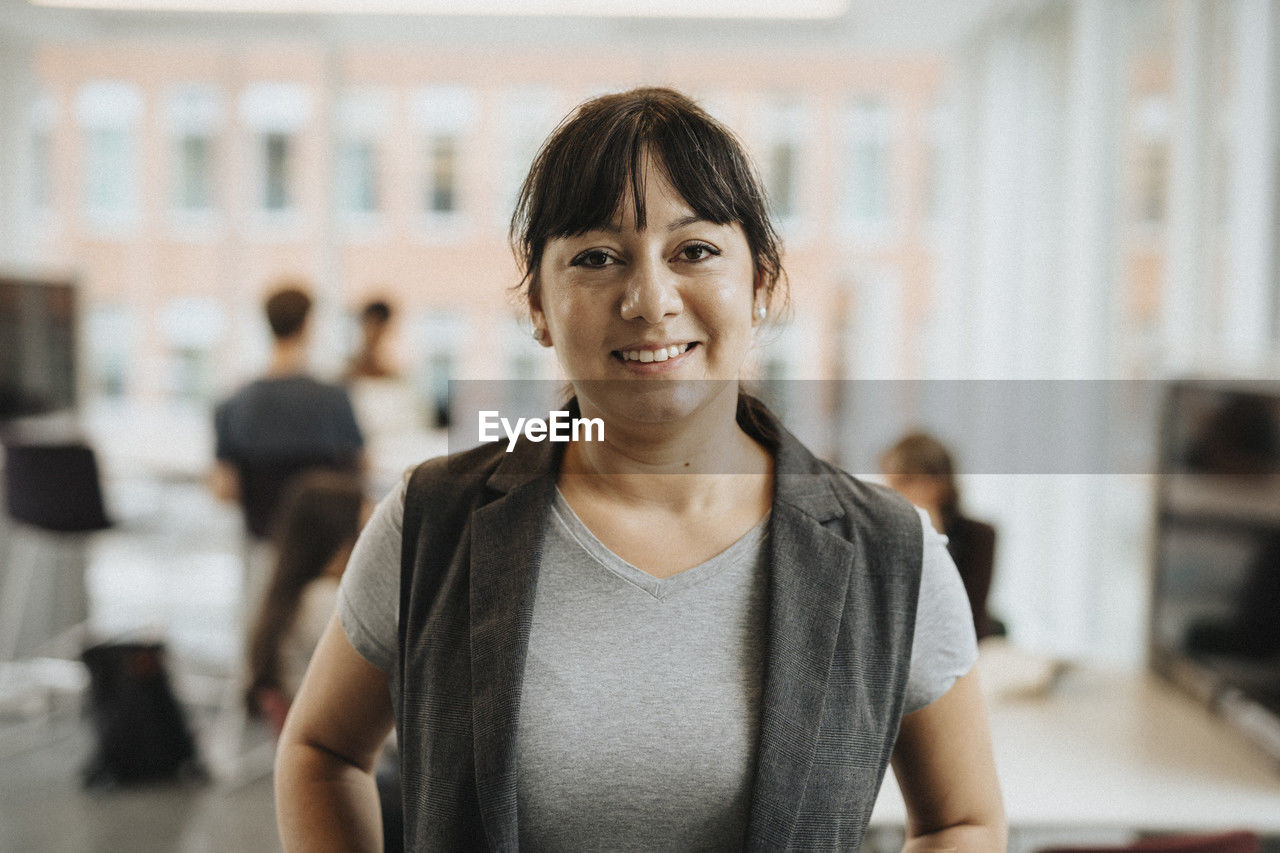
point(37, 346)
point(1215, 616)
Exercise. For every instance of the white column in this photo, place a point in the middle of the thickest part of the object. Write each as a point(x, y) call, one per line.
point(949, 333)
point(1036, 241)
point(997, 268)
point(1183, 304)
point(330, 291)
point(1248, 304)
point(1088, 213)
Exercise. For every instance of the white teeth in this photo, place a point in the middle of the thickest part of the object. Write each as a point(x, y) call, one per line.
point(646, 356)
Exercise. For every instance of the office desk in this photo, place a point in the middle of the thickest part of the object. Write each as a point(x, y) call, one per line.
point(1121, 749)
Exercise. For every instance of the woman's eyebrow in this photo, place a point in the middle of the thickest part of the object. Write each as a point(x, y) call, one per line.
point(683, 221)
point(675, 225)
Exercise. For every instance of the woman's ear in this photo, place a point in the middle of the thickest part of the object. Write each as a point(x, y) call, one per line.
point(539, 322)
point(759, 301)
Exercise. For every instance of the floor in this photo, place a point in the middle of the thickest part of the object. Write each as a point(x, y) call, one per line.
point(169, 570)
point(43, 808)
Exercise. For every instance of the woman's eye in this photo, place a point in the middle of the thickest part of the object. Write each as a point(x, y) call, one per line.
point(592, 258)
point(697, 252)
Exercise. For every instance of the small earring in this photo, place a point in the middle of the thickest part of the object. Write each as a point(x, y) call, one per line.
point(761, 312)
point(539, 334)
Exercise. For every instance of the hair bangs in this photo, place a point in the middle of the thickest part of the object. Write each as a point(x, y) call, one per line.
point(599, 155)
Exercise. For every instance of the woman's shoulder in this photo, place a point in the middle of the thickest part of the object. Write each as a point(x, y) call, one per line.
point(459, 469)
point(875, 502)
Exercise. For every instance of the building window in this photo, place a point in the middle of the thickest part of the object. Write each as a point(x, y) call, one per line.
point(357, 176)
point(937, 192)
point(784, 124)
point(865, 202)
point(109, 113)
point(108, 341)
point(40, 162)
point(442, 175)
point(1151, 166)
point(276, 150)
point(361, 123)
point(108, 174)
point(443, 118)
point(443, 336)
point(782, 179)
point(191, 329)
point(276, 115)
point(528, 117)
point(193, 186)
point(194, 115)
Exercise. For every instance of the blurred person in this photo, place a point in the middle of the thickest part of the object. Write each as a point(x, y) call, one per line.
point(387, 406)
point(369, 361)
point(920, 467)
point(617, 644)
point(319, 520)
point(287, 417)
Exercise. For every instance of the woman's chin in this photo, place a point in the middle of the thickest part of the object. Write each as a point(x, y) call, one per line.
point(649, 401)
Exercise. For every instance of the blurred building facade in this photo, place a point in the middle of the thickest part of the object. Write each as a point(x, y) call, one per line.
point(179, 178)
point(1073, 189)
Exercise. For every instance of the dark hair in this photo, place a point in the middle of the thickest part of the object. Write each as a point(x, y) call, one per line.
point(319, 516)
point(287, 309)
point(579, 177)
point(376, 310)
point(920, 454)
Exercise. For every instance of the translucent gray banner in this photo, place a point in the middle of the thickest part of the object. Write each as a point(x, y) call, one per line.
point(990, 426)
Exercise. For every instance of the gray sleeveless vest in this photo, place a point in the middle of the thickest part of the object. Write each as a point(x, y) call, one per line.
point(845, 559)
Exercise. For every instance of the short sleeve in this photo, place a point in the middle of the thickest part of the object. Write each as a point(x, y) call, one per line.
point(349, 434)
point(222, 449)
point(369, 597)
point(945, 646)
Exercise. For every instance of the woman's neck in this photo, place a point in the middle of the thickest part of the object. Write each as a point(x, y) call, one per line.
point(642, 463)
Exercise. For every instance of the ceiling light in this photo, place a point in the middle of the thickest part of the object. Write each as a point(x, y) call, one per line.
point(776, 9)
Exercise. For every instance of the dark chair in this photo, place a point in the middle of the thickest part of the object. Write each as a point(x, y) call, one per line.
point(54, 494)
point(54, 487)
point(1229, 842)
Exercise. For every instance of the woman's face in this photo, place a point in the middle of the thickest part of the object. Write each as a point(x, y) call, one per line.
point(672, 301)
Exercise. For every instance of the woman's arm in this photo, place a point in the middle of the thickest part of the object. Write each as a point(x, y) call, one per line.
point(325, 793)
point(947, 775)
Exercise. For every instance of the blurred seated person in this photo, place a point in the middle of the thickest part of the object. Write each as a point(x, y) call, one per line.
point(920, 468)
point(319, 520)
point(286, 420)
point(369, 362)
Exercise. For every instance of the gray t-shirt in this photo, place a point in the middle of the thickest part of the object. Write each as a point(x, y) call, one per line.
point(641, 697)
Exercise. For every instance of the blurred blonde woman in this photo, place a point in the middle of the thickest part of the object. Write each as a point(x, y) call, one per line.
point(920, 467)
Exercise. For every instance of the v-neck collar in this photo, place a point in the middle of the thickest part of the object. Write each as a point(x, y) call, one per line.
point(661, 589)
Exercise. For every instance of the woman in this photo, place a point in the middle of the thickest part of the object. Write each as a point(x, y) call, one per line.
point(919, 466)
point(691, 634)
point(319, 522)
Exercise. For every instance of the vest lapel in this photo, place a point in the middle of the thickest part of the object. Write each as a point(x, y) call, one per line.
point(506, 548)
point(809, 578)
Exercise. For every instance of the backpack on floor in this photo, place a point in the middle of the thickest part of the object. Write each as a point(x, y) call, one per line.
point(142, 735)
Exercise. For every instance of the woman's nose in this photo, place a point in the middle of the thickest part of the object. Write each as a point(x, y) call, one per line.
point(652, 293)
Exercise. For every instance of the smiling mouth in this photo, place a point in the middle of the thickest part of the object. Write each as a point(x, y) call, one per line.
point(648, 356)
